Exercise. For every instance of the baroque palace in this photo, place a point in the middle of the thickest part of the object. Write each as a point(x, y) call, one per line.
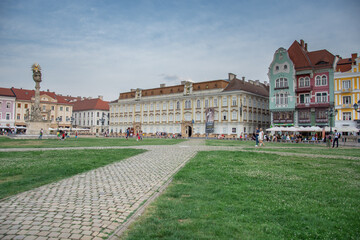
point(237, 108)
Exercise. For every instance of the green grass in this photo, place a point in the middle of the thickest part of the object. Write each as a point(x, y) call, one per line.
point(252, 144)
point(249, 195)
point(83, 142)
point(21, 171)
point(349, 152)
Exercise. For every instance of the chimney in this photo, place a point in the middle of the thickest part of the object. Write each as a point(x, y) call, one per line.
point(101, 97)
point(231, 76)
point(302, 43)
point(132, 90)
point(48, 90)
point(305, 46)
point(243, 79)
point(353, 56)
point(162, 85)
point(183, 82)
point(257, 82)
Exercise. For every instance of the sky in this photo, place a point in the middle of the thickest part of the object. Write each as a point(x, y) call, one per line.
point(104, 47)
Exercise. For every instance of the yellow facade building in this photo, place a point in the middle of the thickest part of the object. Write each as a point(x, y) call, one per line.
point(347, 93)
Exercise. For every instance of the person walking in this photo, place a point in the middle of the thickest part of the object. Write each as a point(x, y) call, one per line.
point(257, 137)
point(76, 135)
point(261, 137)
point(336, 139)
point(41, 134)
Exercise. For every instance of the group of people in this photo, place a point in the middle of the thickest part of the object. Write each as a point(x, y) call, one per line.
point(259, 137)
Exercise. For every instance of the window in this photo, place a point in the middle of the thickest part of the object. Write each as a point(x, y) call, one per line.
point(98, 114)
point(323, 80)
point(137, 118)
point(346, 116)
point(7, 105)
point(164, 118)
point(157, 106)
point(321, 114)
point(206, 103)
point(281, 98)
point(177, 105)
point(198, 117)
point(234, 115)
point(171, 117)
point(188, 104)
point(137, 107)
point(187, 117)
point(178, 117)
point(67, 109)
point(304, 115)
point(215, 102)
point(151, 106)
point(171, 105)
point(61, 108)
point(321, 97)
point(234, 101)
point(245, 101)
point(224, 101)
point(233, 130)
point(347, 100)
point(164, 106)
point(26, 106)
point(305, 98)
point(158, 118)
point(346, 84)
point(52, 108)
point(285, 67)
point(198, 103)
point(304, 82)
point(277, 68)
point(43, 108)
point(18, 117)
point(224, 116)
point(281, 83)
point(19, 105)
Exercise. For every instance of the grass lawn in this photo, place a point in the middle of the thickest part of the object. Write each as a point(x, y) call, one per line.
point(21, 171)
point(83, 142)
point(249, 195)
point(252, 144)
point(350, 152)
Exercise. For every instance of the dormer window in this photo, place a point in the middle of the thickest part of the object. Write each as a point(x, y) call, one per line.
point(285, 67)
point(277, 68)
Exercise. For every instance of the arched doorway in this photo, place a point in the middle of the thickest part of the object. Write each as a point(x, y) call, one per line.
point(189, 131)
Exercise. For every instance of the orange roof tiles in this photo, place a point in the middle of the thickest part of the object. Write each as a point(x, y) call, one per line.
point(6, 92)
point(26, 94)
point(304, 60)
point(237, 84)
point(91, 104)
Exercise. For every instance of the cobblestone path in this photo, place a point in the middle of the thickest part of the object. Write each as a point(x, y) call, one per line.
point(95, 204)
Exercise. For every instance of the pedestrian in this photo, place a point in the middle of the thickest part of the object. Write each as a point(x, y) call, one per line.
point(76, 135)
point(137, 137)
point(257, 137)
point(41, 134)
point(336, 139)
point(261, 137)
point(63, 135)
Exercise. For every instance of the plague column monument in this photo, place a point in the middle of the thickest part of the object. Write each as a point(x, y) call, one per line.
point(35, 120)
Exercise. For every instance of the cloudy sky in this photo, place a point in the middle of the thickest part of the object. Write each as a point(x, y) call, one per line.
point(104, 47)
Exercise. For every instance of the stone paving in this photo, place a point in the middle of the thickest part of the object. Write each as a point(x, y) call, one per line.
point(93, 205)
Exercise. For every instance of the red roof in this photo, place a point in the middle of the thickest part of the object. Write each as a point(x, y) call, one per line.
point(303, 59)
point(91, 104)
point(255, 87)
point(6, 92)
point(344, 65)
point(26, 94)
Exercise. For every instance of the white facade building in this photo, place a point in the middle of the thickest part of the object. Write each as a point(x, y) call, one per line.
point(91, 114)
point(239, 107)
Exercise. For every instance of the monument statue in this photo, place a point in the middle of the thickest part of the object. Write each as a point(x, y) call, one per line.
point(35, 109)
point(35, 121)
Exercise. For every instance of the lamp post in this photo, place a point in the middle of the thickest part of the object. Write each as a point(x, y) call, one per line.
point(332, 114)
point(102, 120)
point(58, 120)
point(356, 106)
point(71, 120)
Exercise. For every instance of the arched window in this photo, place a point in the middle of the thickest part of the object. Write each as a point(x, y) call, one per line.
point(324, 80)
point(285, 67)
point(307, 82)
point(318, 81)
point(177, 105)
point(301, 82)
point(281, 83)
point(198, 103)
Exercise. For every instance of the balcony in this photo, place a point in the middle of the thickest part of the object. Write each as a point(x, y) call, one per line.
point(283, 121)
point(346, 90)
point(303, 89)
point(346, 106)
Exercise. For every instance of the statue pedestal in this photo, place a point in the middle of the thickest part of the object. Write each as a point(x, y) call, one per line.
point(34, 127)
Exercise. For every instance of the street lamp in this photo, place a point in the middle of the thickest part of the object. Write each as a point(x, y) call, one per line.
point(332, 114)
point(58, 120)
point(102, 120)
point(71, 120)
point(356, 106)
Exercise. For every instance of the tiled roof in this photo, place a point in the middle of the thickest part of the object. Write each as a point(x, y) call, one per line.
point(304, 60)
point(26, 94)
point(6, 92)
point(344, 65)
point(198, 86)
point(91, 104)
point(256, 88)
